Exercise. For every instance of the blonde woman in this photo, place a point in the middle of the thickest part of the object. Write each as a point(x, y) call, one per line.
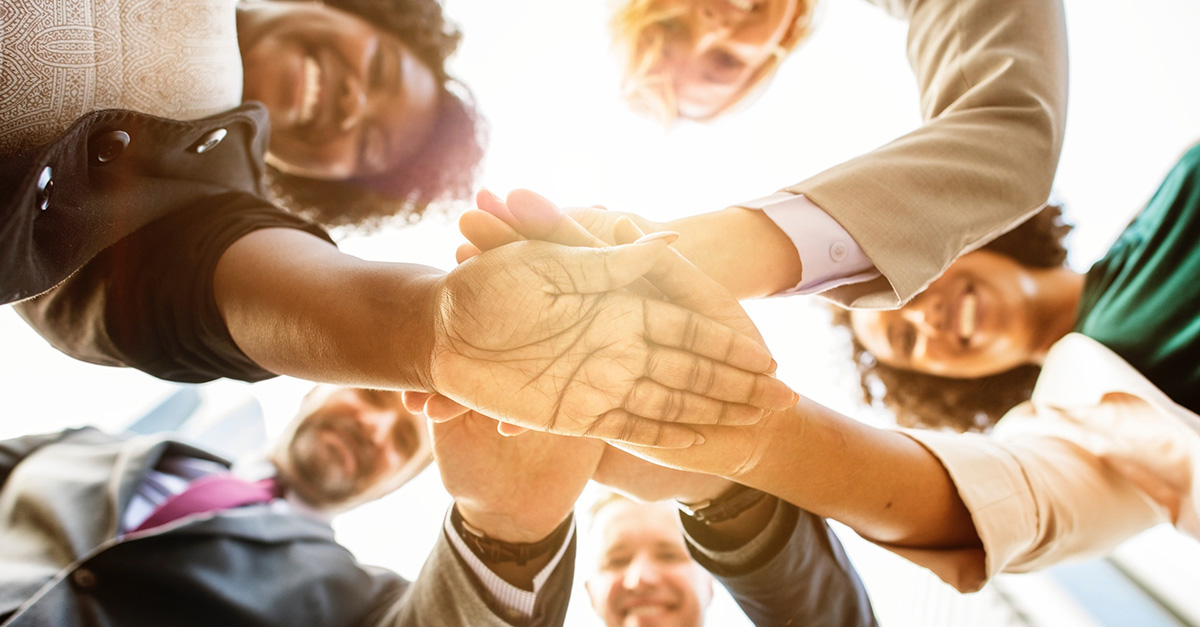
point(870, 232)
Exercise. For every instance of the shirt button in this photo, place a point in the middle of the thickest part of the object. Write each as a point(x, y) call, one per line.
point(84, 578)
point(208, 141)
point(45, 184)
point(108, 146)
point(838, 251)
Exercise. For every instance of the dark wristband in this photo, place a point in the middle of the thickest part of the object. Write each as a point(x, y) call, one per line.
point(728, 506)
point(492, 551)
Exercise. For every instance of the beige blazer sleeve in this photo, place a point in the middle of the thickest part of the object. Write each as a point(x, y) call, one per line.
point(1097, 456)
point(993, 82)
point(447, 594)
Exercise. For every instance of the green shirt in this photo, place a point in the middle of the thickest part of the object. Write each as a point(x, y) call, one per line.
point(1142, 300)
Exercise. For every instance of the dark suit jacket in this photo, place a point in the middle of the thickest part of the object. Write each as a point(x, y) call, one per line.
point(62, 562)
point(796, 573)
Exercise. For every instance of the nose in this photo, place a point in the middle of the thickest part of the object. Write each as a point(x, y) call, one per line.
point(641, 573)
point(352, 102)
point(379, 425)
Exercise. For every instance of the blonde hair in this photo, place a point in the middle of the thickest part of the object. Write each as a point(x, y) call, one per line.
point(639, 37)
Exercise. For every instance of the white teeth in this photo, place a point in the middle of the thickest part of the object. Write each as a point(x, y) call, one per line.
point(741, 5)
point(967, 315)
point(311, 76)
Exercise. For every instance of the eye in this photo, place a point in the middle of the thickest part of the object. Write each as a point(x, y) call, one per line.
point(616, 561)
point(908, 340)
point(375, 71)
point(671, 557)
point(672, 27)
point(726, 61)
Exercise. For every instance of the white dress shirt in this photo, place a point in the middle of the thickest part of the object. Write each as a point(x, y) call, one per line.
point(1098, 455)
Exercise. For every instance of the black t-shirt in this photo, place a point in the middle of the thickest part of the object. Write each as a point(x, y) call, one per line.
point(147, 301)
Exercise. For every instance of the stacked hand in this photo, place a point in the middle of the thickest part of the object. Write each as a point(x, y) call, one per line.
point(517, 489)
point(527, 214)
point(543, 336)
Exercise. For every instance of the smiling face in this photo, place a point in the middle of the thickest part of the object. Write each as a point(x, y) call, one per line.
point(975, 320)
point(346, 99)
point(350, 444)
point(645, 575)
point(714, 51)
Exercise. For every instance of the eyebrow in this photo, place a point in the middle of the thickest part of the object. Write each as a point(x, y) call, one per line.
point(405, 435)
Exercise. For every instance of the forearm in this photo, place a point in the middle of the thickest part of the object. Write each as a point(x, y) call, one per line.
point(879, 482)
point(742, 249)
point(297, 306)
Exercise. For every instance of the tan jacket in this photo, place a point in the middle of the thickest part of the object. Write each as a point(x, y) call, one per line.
point(993, 81)
point(63, 562)
point(1098, 455)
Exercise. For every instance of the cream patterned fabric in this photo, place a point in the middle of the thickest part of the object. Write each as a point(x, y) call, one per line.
point(62, 59)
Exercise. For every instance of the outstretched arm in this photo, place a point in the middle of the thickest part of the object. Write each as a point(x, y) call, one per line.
point(880, 482)
point(536, 334)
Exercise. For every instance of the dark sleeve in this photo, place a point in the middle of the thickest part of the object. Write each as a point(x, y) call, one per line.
point(794, 573)
point(147, 301)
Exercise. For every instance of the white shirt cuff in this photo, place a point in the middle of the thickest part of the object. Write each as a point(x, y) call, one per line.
point(516, 603)
point(829, 255)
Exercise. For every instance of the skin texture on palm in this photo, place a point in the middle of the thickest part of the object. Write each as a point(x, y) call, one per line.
point(579, 356)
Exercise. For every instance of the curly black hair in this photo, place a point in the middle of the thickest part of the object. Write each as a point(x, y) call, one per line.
point(443, 171)
point(929, 401)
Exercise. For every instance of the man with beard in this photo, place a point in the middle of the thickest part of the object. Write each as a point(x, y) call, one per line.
point(97, 529)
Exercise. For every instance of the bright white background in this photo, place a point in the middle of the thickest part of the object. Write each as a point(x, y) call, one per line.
point(542, 73)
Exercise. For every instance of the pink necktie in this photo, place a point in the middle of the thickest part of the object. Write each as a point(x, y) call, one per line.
point(211, 493)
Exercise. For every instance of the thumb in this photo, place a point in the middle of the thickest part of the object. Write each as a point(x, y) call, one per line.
point(491, 203)
point(465, 252)
point(508, 430)
point(689, 287)
point(539, 218)
point(598, 270)
point(485, 230)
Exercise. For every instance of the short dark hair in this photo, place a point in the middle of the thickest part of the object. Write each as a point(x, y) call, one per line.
point(924, 400)
point(443, 171)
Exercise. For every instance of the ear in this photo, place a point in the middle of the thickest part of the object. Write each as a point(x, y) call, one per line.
point(597, 601)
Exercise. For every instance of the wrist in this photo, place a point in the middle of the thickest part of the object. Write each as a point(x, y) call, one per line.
point(520, 528)
point(432, 314)
point(702, 487)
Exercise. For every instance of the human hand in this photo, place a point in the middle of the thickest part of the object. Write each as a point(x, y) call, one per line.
point(527, 215)
point(645, 481)
point(538, 335)
point(728, 452)
point(513, 489)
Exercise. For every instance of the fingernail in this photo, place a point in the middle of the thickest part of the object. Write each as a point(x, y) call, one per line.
point(699, 440)
point(491, 195)
point(534, 208)
point(773, 367)
point(668, 236)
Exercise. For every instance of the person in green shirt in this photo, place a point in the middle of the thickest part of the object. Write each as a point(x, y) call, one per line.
point(969, 348)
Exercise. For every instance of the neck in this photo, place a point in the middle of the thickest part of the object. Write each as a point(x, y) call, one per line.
point(1056, 308)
